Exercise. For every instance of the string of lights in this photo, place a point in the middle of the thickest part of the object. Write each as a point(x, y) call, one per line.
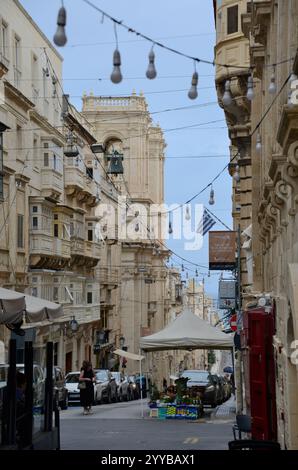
point(60, 40)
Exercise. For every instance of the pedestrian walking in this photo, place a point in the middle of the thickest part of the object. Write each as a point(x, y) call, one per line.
point(86, 387)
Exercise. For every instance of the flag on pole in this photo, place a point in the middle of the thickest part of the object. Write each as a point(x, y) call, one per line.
point(206, 223)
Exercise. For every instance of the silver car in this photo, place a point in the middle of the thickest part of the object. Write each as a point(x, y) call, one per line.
point(105, 387)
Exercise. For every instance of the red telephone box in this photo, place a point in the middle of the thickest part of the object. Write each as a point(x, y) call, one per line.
point(259, 328)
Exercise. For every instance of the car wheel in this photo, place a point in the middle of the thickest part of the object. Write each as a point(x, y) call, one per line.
point(64, 403)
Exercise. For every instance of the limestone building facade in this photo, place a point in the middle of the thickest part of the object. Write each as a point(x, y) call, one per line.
point(48, 244)
point(267, 34)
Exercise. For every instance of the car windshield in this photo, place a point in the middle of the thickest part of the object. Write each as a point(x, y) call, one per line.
point(101, 376)
point(72, 379)
point(196, 376)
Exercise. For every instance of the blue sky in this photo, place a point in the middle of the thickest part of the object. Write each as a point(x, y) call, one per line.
point(187, 26)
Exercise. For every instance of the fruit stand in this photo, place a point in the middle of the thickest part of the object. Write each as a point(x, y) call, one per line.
point(177, 403)
point(174, 411)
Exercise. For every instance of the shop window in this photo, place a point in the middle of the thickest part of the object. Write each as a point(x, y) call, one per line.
point(232, 20)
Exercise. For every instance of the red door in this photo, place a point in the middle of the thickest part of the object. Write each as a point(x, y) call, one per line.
point(260, 333)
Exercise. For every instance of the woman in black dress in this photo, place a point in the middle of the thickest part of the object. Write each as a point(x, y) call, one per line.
point(87, 394)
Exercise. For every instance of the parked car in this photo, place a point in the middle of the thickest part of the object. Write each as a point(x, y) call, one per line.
point(123, 386)
point(60, 390)
point(204, 383)
point(38, 381)
point(105, 387)
point(219, 389)
point(71, 384)
point(134, 387)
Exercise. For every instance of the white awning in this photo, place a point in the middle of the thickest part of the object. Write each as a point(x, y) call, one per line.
point(187, 331)
point(128, 355)
point(14, 305)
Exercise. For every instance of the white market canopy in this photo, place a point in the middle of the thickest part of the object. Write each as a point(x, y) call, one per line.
point(187, 331)
point(128, 355)
point(13, 306)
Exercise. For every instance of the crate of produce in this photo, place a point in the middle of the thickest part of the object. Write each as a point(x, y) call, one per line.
point(171, 412)
point(162, 412)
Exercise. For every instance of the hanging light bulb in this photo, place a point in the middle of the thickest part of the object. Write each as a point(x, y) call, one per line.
point(116, 75)
point(197, 273)
point(211, 198)
point(227, 97)
point(187, 213)
point(250, 88)
point(182, 267)
point(151, 70)
point(170, 227)
point(236, 175)
point(60, 38)
point(208, 273)
point(272, 86)
point(258, 143)
point(193, 92)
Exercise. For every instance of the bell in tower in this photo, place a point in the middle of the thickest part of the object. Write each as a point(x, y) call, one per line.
point(115, 167)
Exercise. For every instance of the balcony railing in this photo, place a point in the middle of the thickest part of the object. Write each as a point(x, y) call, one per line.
point(108, 276)
point(92, 249)
point(74, 177)
point(46, 245)
point(52, 180)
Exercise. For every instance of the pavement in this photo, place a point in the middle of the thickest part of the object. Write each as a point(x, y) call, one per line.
point(121, 426)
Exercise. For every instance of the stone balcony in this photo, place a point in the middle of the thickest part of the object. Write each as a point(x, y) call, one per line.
point(108, 277)
point(47, 251)
point(52, 183)
point(92, 250)
point(84, 253)
point(83, 313)
point(80, 186)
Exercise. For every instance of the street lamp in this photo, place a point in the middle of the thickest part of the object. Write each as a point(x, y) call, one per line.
point(73, 325)
point(121, 341)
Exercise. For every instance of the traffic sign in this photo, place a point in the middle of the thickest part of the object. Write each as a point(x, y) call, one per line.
point(233, 322)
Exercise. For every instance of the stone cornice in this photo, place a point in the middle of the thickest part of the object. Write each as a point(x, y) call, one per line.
point(47, 127)
point(18, 96)
point(288, 127)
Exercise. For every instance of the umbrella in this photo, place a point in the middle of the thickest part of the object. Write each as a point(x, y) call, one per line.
point(228, 370)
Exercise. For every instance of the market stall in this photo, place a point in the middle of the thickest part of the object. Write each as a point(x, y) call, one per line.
point(189, 332)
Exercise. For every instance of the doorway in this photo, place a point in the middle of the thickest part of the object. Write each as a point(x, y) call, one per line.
point(68, 362)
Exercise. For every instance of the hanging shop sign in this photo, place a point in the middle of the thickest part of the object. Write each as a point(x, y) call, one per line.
point(226, 293)
point(222, 250)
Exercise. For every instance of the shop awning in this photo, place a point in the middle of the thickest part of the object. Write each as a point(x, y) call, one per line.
point(15, 305)
point(128, 355)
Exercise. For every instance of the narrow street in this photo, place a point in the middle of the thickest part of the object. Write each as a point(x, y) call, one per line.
point(120, 427)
